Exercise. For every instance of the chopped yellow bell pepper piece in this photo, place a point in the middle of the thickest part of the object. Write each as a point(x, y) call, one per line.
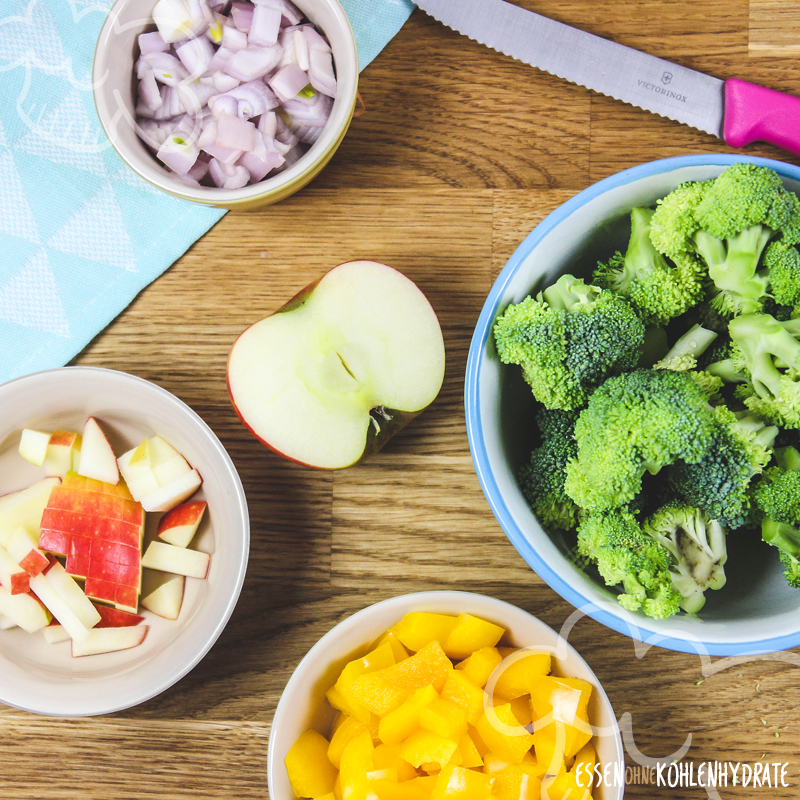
point(342, 736)
point(517, 675)
point(391, 639)
point(479, 666)
point(387, 756)
point(348, 705)
point(459, 783)
point(399, 724)
point(471, 634)
point(470, 755)
point(445, 718)
point(503, 735)
point(357, 761)
point(515, 783)
point(424, 747)
point(461, 691)
point(310, 770)
point(419, 628)
point(575, 783)
point(416, 789)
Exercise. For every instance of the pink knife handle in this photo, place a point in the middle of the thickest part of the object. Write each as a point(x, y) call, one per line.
point(754, 113)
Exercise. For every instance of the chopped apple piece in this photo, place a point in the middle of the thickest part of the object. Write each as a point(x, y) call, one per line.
point(158, 476)
point(24, 508)
point(22, 548)
point(166, 497)
point(24, 610)
point(33, 446)
point(65, 600)
point(54, 633)
point(179, 525)
point(178, 560)
point(162, 593)
point(6, 623)
point(12, 576)
point(114, 618)
point(109, 640)
point(97, 459)
point(63, 452)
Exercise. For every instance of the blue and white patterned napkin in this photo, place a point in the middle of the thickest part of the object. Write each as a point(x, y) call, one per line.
point(81, 235)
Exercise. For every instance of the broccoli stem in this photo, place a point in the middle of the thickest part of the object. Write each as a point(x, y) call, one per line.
point(732, 263)
point(781, 535)
point(693, 343)
point(788, 458)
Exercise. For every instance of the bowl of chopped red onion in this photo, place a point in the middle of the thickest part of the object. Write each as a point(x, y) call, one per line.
point(235, 104)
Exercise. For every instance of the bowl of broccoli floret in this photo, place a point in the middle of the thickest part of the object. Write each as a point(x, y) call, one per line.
point(633, 403)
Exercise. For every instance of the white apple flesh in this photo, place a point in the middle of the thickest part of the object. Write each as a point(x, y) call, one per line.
point(162, 593)
point(177, 560)
point(108, 640)
point(23, 610)
point(97, 459)
point(24, 508)
point(63, 453)
point(12, 576)
point(332, 375)
point(33, 446)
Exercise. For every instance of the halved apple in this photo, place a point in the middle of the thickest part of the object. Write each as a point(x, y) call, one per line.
point(97, 459)
point(331, 376)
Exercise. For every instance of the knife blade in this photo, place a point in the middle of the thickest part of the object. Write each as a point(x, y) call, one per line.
point(736, 111)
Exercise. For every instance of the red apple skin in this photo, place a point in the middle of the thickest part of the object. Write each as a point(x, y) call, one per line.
point(390, 421)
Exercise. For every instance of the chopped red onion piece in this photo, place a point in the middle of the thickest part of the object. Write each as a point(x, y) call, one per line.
point(175, 21)
point(208, 135)
point(194, 95)
point(215, 29)
point(233, 38)
point(152, 43)
point(315, 41)
point(178, 152)
point(242, 14)
point(220, 60)
point(152, 132)
point(166, 68)
point(262, 160)
point(291, 158)
point(265, 27)
point(149, 93)
point(224, 82)
point(285, 135)
point(198, 171)
point(268, 124)
point(200, 12)
point(196, 55)
point(224, 104)
point(290, 12)
point(254, 62)
point(223, 154)
point(321, 73)
point(308, 134)
point(226, 177)
point(253, 98)
point(288, 82)
point(217, 5)
point(301, 50)
point(235, 133)
point(309, 111)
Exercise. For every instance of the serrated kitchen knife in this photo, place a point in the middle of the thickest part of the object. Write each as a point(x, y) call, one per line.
point(736, 111)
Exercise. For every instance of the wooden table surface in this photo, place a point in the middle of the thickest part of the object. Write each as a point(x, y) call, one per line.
point(460, 153)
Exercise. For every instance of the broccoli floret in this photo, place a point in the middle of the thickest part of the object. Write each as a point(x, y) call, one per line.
point(728, 222)
point(770, 350)
point(657, 289)
point(615, 542)
point(542, 478)
point(683, 358)
point(777, 496)
point(782, 263)
point(697, 544)
point(718, 483)
point(568, 340)
point(636, 422)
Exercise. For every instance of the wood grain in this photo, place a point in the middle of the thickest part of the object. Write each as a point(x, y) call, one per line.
point(461, 152)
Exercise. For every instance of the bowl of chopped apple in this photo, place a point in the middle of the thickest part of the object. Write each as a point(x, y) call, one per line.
point(124, 538)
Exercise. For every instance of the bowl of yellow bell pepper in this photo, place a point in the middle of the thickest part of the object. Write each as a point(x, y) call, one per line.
point(444, 695)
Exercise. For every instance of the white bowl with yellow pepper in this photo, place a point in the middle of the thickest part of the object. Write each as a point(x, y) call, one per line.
point(444, 695)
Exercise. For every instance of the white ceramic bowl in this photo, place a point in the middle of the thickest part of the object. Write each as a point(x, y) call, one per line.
point(303, 704)
point(115, 99)
point(756, 611)
point(44, 678)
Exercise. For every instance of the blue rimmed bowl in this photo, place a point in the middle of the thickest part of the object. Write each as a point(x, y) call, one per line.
point(756, 611)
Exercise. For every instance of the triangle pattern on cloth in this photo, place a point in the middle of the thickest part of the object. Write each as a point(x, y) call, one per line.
point(97, 232)
point(66, 135)
point(16, 218)
point(31, 38)
point(31, 299)
point(3, 140)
